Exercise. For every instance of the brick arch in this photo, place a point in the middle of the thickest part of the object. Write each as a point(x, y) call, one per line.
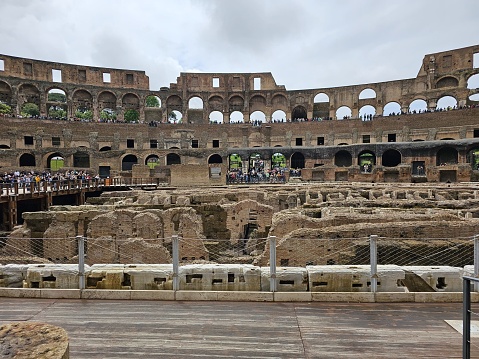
point(107, 99)
point(130, 101)
point(257, 103)
point(5, 92)
point(236, 103)
point(447, 81)
point(82, 99)
point(216, 103)
point(28, 92)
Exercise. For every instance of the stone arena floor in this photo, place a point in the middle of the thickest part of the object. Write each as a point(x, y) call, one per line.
point(162, 329)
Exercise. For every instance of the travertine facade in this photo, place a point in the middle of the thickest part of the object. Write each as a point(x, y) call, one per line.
point(433, 146)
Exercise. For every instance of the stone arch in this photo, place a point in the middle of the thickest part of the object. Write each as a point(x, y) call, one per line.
point(321, 105)
point(195, 103)
point(55, 161)
point(56, 103)
point(367, 93)
point(366, 161)
point(152, 161)
point(278, 161)
point(447, 81)
point(128, 161)
point(473, 82)
point(343, 158)
point(4, 147)
point(299, 113)
point(106, 100)
point(5, 93)
point(173, 159)
point(257, 117)
point(343, 113)
point(28, 93)
point(27, 160)
point(173, 103)
point(278, 116)
point(130, 101)
point(82, 103)
point(257, 103)
point(473, 158)
point(236, 103)
point(367, 112)
point(446, 156)
point(234, 161)
point(216, 103)
point(81, 159)
point(215, 158)
point(105, 148)
point(297, 161)
point(392, 108)
point(391, 158)
point(236, 117)
point(216, 117)
point(446, 103)
point(418, 105)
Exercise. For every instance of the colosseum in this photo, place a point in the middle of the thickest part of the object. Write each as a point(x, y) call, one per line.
point(228, 160)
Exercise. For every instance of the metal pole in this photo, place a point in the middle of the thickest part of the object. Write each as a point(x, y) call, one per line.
point(176, 258)
point(81, 262)
point(466, 318)
point(476, 261)
point(374, 262)
point(272, 263)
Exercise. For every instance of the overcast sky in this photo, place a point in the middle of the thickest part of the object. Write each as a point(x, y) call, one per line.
point(304, 43)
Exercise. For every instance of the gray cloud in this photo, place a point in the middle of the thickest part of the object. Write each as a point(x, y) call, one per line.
point(305, 44)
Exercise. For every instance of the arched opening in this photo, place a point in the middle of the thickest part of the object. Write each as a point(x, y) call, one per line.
point(131, 102)
point(152, 161)
point(215, 159)
point(30, 96)
point(236, 103)
point(57, 104)
point(278, 116)
point(392, 109)
point(235, 162)
point(236, 117)
point(367, 93)
point(446, 103)
point(105, 148)
point(107, 104)
point(446, 156)
point(5, 96)
point(195, 103)
point(343, 159)
point(257, 118)
point(299, 114)
point(153, 101)
point(366, 113)
point(297, 161)
point(173, 159)
point(55, 161)
point(4, 147)
point(27, 160)
point(175, 117)
point(81, 159)
point(82, 105)
point(216, 103)
point(366, 161)
point(418, 106)
point(447, 81)
point(128, 161)
point(343, 113)
point(391, 158)
point(216, 117)
point(278, 161)
point(473, 82)
point(321, 106)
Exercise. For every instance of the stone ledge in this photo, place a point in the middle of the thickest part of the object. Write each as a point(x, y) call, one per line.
point(60, 293)
point(292, 297)
point(152, 295)
point(20, 292)
point(105, 294)
point(342, 297)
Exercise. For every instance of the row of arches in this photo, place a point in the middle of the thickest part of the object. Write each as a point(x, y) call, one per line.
point(343, 158)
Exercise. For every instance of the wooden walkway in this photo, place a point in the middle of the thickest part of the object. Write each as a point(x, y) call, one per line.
point(151, 329)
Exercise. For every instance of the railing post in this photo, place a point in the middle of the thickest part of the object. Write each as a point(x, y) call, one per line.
point(374, 262)
point(81, 262)
point(176, 259)
point(466, 318)
point(476, 261)
point(272, 263)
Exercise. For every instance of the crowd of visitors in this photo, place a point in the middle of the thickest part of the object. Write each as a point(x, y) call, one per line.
point(275, 175)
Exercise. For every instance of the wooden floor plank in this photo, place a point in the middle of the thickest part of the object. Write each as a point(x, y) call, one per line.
point(150, 329)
